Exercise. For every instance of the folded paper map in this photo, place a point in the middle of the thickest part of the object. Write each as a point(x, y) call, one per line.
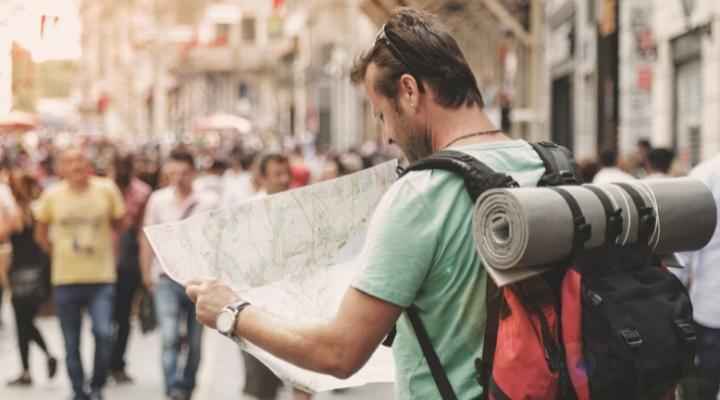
point(293, 254)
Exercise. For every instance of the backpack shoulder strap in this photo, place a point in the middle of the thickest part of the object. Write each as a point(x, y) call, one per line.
point(438, 372)
point(478, 177)
point(560, 165)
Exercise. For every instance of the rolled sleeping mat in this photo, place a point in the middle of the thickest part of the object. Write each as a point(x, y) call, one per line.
point(529, 227)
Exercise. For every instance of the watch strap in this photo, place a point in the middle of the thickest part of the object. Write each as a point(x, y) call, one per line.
point(235, 308)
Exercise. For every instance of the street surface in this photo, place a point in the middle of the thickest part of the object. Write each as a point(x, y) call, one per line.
point(221, 373)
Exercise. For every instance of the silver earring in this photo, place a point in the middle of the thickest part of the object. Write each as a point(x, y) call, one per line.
point(414, 107)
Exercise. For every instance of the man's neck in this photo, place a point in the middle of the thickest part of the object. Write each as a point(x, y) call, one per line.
point(79, 185)
point(182, 193)
point(451, 124)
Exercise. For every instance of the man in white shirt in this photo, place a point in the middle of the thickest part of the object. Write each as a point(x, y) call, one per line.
point(260, 382)
point(610, 172)
point(242, 185)
point(702, 276)
point(173, 203)
point(658, 162)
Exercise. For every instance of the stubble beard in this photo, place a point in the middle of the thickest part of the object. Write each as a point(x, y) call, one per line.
point(418, 145)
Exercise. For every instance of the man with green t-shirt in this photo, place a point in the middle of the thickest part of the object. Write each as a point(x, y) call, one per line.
point(419, 248)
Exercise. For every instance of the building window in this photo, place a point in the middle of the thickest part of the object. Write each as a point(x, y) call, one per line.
point(243, 91)
point(248, 29)
point(222, 33)
point(275, 27)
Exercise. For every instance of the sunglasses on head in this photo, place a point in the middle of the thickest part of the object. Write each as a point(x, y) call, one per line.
point(383, 38)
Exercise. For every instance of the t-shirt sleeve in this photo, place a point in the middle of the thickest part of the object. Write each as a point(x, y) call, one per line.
point(399, 248)
point(42, 209)
point(150, 217)
point(117, 204)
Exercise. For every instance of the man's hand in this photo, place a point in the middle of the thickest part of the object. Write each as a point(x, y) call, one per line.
point(149, 283)
point(209, 296)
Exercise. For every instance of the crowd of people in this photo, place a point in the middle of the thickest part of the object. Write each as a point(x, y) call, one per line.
point(647, 162)
point(431, 289)
point(72, 218)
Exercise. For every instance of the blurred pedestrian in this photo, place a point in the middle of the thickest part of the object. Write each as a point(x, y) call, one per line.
point(244, 184)
point(642, 149)
point(702, 276)
point(260, 382)
point(7, 209)
point(610, 172)
point(29, 274)
point(589, 167)
point(175, 313)
point(333, 168)
point(212, 181)
point(135, 194)
point(658, 163)
point(82, 211)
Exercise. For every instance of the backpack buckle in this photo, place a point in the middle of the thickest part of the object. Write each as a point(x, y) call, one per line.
point(615, 223)
point(583, 230)
point(568, 178)
point(647, 217)
point(686, 330)
point(632, 337)
point(480, 374)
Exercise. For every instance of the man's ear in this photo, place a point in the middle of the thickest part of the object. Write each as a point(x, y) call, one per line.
point(409, 92)
point(408, 85)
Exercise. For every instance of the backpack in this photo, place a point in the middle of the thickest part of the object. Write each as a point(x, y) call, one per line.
point(606, 323)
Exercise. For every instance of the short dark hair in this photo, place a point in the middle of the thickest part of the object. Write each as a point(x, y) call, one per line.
point(272, 157)
point(124, 168)
point(645, 144)
point(609, 158)
point(660, 159)
point(182, 155)
point(429, 53)
point(247, 160)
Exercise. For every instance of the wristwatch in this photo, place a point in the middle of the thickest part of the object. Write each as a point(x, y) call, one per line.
point(226, 318)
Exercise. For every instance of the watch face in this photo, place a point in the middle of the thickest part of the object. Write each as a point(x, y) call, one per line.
point(225, 321)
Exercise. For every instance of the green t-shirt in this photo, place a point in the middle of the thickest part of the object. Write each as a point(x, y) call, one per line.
point(420, 250)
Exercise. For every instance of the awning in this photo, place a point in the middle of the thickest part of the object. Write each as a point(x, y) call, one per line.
point(223, 122)
point(17, 121)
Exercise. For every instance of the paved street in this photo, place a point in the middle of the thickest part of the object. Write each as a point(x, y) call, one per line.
point(221, 373)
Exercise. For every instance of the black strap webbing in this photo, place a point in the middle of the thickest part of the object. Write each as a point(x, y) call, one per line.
point(477, 176)
point(646, 214)
point(436, 368)
point(613, 217)
point(493, 302)
point(582, 228)
point(560, 168)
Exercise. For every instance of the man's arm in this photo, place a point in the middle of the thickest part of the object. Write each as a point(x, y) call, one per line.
point(338, 347)
point(42, 237)
point(146, 258)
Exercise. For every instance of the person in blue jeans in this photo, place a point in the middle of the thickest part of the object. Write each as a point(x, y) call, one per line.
point(176, 318)
point(99, 300)
point(175, 313)
point(82, 211)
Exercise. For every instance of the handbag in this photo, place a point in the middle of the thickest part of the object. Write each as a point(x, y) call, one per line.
point(29, 281)
point(146, 311)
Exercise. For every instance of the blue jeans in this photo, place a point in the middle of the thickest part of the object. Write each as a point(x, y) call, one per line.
point(172, 307)
point(708, 361)
point(99, 299)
